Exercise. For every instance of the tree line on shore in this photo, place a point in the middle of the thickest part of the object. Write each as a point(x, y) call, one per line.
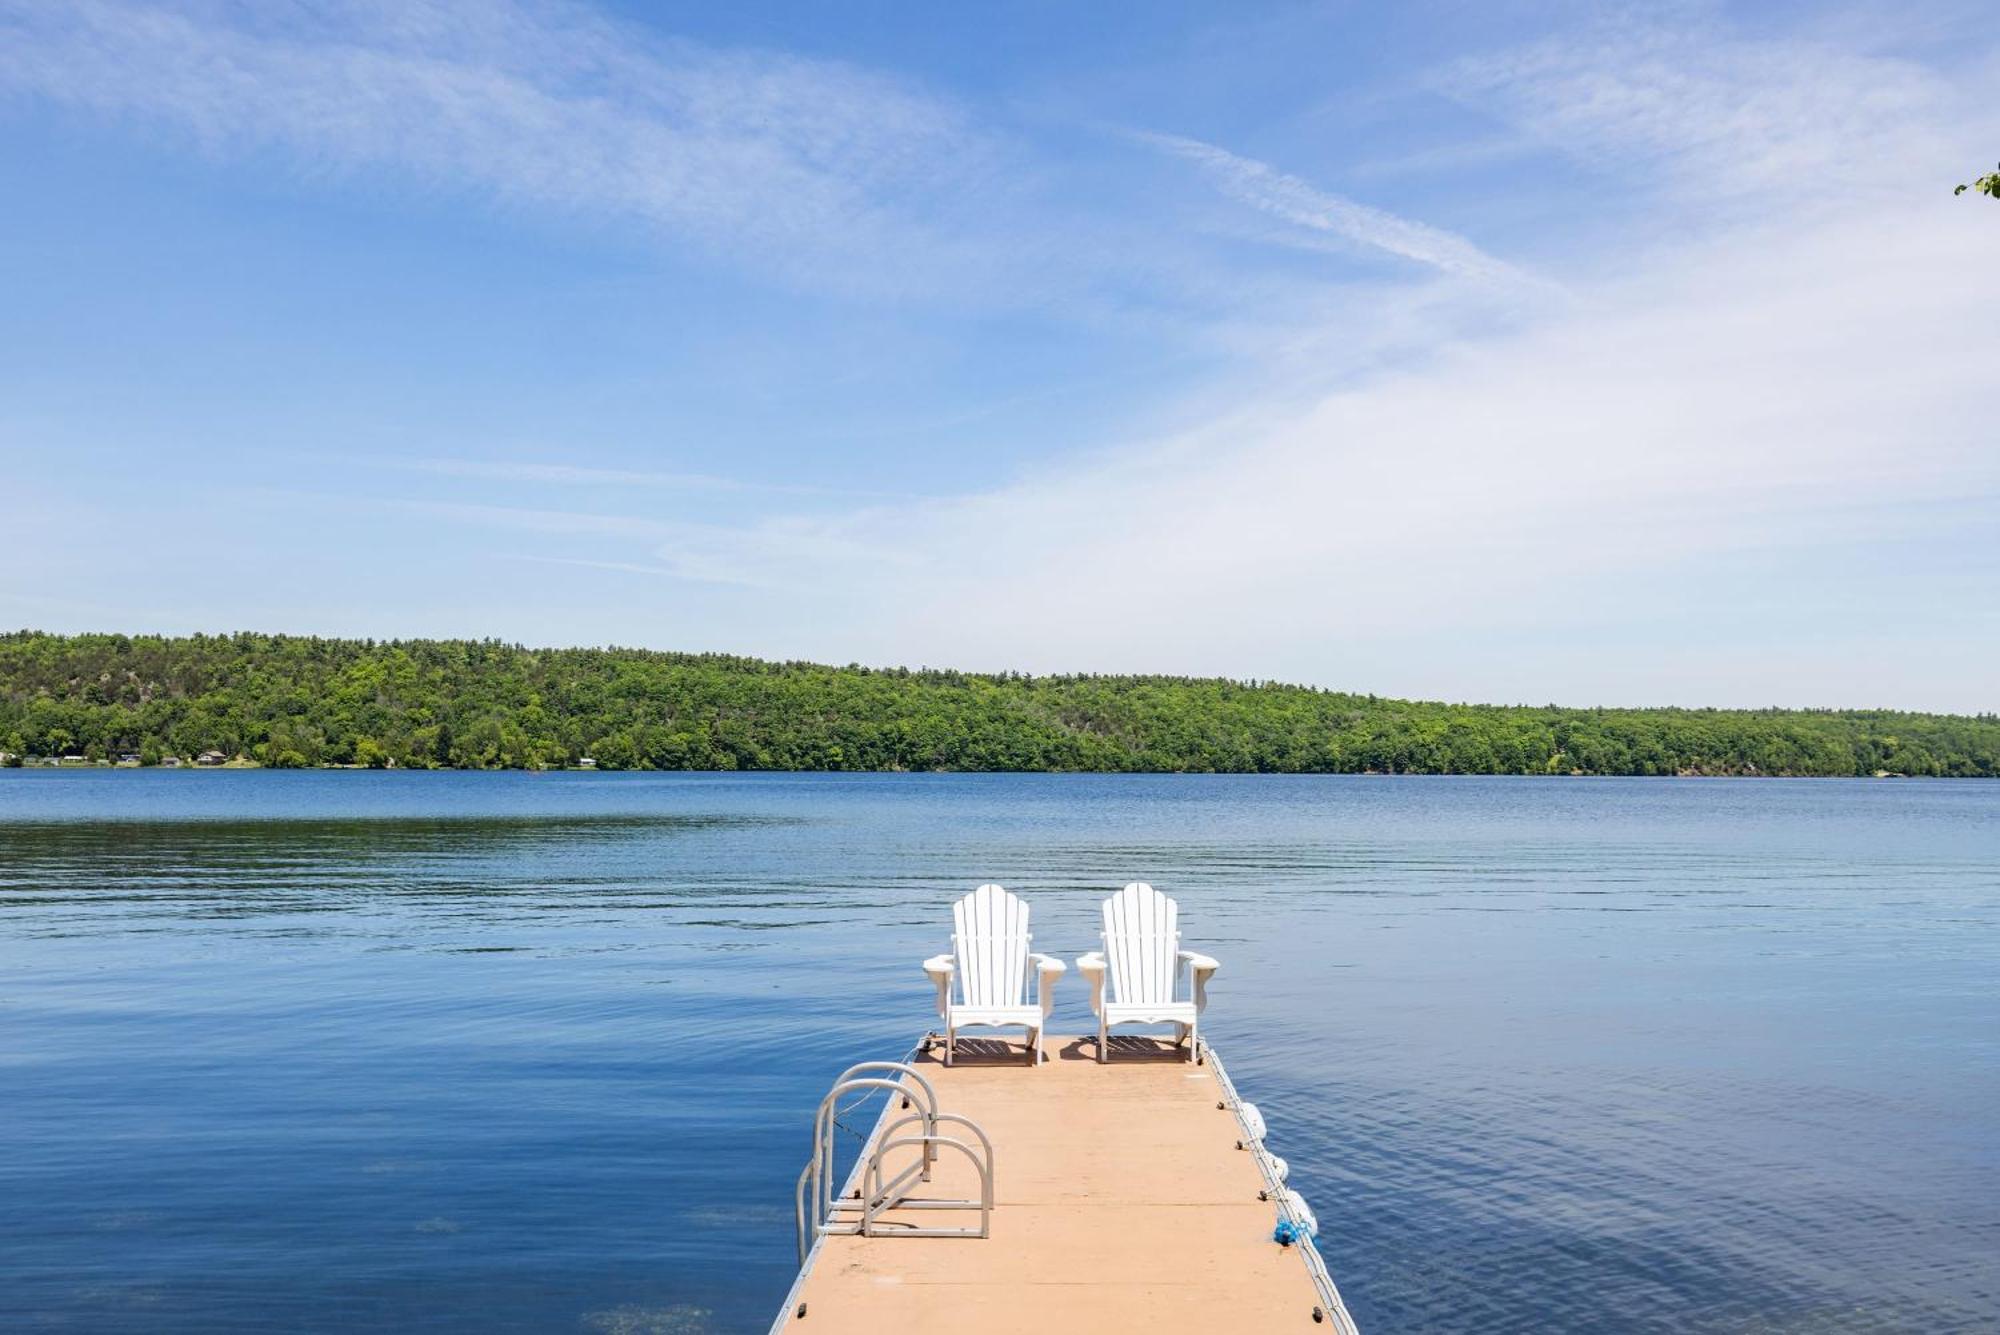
point(296, 701)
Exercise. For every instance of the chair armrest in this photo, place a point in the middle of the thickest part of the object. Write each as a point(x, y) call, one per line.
point(1091, 966)
point(1201, 966)
point(1047, 970)
point(941, 968)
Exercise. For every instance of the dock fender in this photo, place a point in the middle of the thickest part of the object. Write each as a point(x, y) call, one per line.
point(1299, 1210)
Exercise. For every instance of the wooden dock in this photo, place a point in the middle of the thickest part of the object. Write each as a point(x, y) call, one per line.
point(1123, 1200)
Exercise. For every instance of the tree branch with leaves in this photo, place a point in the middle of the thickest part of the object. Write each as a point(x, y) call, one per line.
point(1988, 184)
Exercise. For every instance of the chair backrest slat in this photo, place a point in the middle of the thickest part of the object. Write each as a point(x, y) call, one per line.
point(1141, 941)
point(990, 939)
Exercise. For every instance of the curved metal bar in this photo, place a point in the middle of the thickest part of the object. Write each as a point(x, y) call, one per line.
point(985, 1142)
point(930, 1098)
point(823, 1133)
point(930, 1133)
point(925, 1160)
point(810, 1239)
point(799, 1208)
point(903, 1068)
point(874, 1189)
point(985, 1175)
point(871, 1208)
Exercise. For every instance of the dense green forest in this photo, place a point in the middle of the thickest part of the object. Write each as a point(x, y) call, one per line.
point(294, 701)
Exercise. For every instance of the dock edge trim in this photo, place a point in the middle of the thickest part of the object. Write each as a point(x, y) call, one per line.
point(1306, 1245)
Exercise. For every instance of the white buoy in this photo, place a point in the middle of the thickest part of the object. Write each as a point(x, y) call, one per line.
point(1279, 1168)
point(1253, 1121)
point(1296, 1206)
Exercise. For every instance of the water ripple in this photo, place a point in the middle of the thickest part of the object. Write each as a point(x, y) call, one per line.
point(491, 1052)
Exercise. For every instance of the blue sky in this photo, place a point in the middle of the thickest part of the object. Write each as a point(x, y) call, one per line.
point(1497, 352)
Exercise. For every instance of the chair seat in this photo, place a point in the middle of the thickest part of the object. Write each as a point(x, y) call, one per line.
point(1149, 1012)
point(961, 1016)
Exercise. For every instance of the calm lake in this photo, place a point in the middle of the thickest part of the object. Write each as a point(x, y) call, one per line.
point(510, 1052)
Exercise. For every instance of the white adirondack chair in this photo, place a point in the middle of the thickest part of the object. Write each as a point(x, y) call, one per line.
point(1142, 949)
point(991, 961)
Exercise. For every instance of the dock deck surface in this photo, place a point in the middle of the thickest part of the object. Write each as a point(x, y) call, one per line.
point(1121, 1203)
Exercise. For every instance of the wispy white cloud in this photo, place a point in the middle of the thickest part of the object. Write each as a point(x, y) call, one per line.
point(813, 170)
point(1598, 498)
point(789, 553)
point(508, 470)
point(524, 519)
point(580, 475)
point(1574, 484)
point(813, 174)
point(627, 567)
point(782, 552)
point(1679, 454)
point(1323, 214)
point(1707, 114)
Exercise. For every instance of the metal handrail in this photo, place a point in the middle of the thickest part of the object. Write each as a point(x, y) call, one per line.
point(821, 1167)
point(873, 1195)
point(901, 1069)
point(809, 1239)
point(878, 1200)
point(888, 1133)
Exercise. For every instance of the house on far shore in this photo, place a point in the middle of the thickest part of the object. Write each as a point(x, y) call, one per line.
point(170, 762)
point(211, 758)
point(586, 762)
point(73, 759)
point(128, 757)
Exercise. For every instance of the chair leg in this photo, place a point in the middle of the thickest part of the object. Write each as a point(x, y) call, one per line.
point(950, 1035)
point(1103, 1041)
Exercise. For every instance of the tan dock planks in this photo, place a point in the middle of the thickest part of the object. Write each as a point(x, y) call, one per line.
point(1121, 1201)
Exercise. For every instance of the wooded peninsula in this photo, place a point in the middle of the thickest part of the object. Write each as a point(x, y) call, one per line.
point(297, 701)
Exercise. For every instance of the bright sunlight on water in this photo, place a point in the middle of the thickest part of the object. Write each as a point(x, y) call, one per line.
point(510, 1052)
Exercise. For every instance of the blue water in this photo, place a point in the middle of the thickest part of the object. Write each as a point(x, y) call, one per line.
point(469, 1052)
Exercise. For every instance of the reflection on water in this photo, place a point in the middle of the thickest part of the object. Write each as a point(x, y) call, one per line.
point(253, 869)
point(516, 1052)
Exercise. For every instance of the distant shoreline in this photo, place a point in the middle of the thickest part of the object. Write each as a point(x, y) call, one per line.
point(257, 767)
point(300, 702)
